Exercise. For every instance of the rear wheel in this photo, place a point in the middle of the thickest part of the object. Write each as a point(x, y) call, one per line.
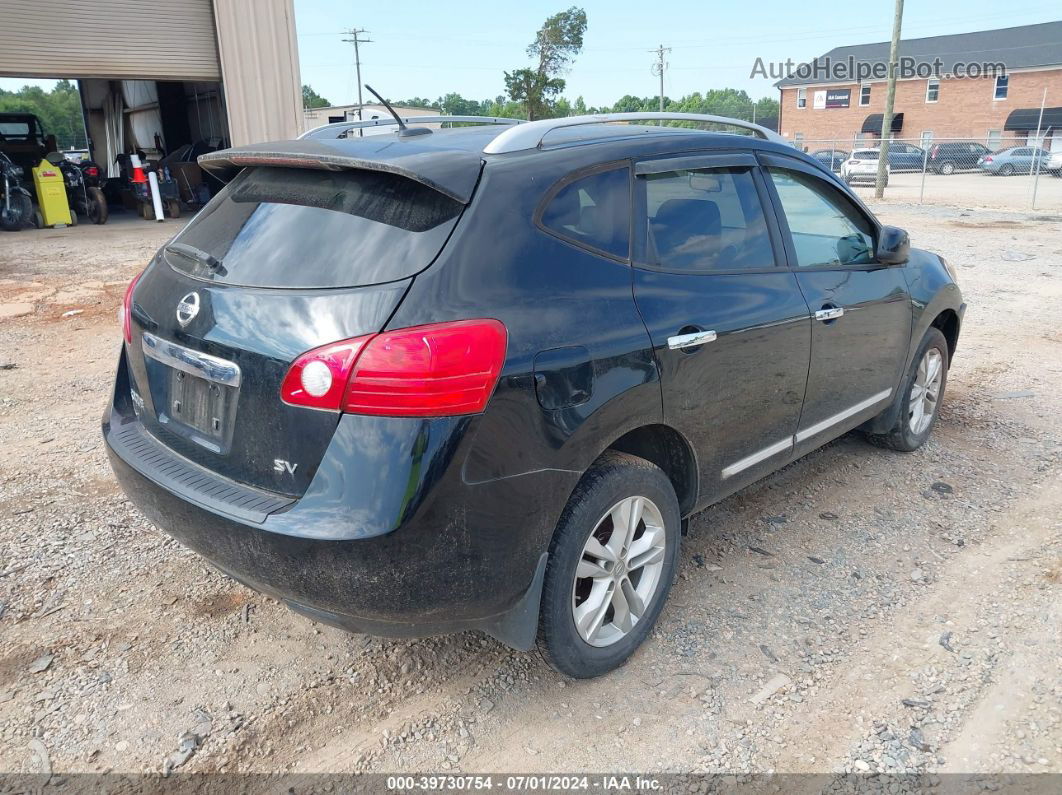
point(97, 206)
point(18, 215)
point(919, 397)
point(611, 564)
point(947, 168)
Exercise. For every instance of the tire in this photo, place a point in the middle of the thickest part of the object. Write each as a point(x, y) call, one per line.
point(73, 217)
point(1006, 170)
point(147, 211)
point(903, 435)
point(97, 206)
point(173, 209)
point(947, 168)
point(19, 215)
point(615, 480)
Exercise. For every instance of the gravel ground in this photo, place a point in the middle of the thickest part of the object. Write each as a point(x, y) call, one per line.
point(859, 610)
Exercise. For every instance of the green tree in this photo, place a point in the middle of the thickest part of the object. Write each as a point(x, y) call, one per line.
point(311, 99)
point(556, 44)
point(59, 111)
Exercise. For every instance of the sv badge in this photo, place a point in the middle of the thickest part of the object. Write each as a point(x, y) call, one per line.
point(282, 466)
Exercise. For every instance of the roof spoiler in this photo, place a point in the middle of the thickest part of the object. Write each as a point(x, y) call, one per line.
point(452, 172)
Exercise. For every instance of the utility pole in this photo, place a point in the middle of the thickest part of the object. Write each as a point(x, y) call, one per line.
point(890, 98)
point(658, 69)
point(355, 39)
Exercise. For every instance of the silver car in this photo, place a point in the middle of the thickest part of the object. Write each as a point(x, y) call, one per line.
point(1017, 160)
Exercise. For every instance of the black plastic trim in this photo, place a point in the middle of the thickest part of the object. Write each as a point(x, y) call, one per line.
point(174, 473)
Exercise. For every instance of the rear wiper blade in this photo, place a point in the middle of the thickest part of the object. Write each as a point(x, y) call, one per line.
point(204, 258)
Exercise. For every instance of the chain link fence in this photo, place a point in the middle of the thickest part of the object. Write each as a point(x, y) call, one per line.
point(1010, 172)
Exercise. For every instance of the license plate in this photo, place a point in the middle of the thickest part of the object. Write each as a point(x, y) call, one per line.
point(198, 404)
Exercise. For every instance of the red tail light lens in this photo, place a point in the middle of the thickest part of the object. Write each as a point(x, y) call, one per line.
point(92, 171)
point(127, 309)
point(437, 370)
point(319, 377)
point(988, 159)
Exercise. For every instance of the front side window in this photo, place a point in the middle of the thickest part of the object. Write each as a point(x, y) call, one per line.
point(827, 229)
point(932, 90)
point(1002, 85)
point(802, 97)
point(706, 220)
point(864, 95)
point(593, 212)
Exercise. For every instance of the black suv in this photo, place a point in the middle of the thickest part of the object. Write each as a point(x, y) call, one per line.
point(947, 158)
point(425, 382)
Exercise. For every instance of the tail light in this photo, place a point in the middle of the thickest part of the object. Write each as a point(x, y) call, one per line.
point(127, 309)
point(933, 151)
point(988, 159)
point(92, 171)
point(438, 370)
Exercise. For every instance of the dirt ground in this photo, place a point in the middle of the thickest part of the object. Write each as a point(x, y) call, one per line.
point(860, 610)
point(972, 189)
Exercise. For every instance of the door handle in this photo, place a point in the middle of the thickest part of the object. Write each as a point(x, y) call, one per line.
point(828, 313)
point(681, 341)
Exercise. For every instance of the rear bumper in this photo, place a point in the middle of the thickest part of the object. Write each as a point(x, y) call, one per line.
point(378, 544)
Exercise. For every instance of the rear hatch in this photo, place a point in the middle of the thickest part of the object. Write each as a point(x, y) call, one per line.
point(283, 260)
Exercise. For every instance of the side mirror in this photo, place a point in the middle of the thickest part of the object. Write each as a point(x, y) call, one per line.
point(894, 246)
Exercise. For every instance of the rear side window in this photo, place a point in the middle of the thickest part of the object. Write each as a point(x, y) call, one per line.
point(594, 212)
point(706, 220)
point(307, 228)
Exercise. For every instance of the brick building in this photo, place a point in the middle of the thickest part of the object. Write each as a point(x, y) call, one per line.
point(828, 102)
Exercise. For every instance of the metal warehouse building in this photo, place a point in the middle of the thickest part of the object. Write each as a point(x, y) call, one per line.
point(166, 74)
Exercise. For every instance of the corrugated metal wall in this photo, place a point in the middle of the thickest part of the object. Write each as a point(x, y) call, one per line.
point(137, 39)
point(260, 69)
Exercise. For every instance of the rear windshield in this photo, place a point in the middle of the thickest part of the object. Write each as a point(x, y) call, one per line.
point(306, 228)
point(864, 155)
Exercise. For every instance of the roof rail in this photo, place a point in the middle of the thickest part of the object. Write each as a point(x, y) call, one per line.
point(336, 128)
point(530, 135)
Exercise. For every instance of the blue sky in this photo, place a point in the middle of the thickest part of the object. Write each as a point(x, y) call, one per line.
point(430, 48)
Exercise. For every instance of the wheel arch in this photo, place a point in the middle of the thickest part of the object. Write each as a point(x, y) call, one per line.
point(667, 448)
point(947, 322)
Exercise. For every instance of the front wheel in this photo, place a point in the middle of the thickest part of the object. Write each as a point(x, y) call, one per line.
point(1007, 170)
point(97, 206)
point(19, 213)
point(920, 395)
point(611, 564)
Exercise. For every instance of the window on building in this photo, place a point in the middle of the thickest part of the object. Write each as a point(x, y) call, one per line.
point(932, 89)
point(864, 95)
point(1002, 82)
point(802, 97)
point(927, 138)
point(798, 141)
point(994, 140)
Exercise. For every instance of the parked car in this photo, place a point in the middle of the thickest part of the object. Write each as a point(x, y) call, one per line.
point(951, 156)
point(831, 158)
point(1016, 160)
point(905, 157)
point(550, 347)
point(862, 166)
point(1054, 164)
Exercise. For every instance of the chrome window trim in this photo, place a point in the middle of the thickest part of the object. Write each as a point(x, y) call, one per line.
point(203, 365)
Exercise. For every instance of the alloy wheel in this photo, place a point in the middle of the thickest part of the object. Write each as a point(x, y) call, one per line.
point(925, 392)
point(619, 571)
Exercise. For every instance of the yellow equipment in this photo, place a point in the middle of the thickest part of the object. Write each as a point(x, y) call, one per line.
point(51, 194)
